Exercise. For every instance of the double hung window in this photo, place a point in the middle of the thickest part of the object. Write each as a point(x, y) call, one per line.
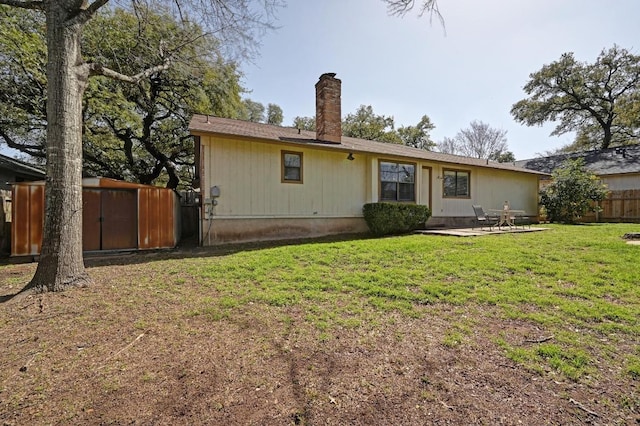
point(291, 167)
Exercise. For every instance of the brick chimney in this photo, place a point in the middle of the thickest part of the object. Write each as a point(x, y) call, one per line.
point(328, 114)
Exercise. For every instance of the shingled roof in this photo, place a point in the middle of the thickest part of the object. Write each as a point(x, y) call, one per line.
point(610, 161)
point(203, 124)
point(21, 167)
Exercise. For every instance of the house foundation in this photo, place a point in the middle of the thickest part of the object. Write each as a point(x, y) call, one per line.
point(224, 230)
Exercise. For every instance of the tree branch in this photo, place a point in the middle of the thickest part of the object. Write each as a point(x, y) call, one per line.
point(34, 5)
point(86, 14)
point(402, 7)
point(33, 150)
point(98, 69)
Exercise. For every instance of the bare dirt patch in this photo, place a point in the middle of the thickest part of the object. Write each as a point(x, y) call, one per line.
point(124, 351)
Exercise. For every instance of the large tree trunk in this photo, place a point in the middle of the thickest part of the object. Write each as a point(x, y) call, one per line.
point(61, 263)
point(606, 140)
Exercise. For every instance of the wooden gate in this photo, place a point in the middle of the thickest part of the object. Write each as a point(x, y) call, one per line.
point(189, 210)
point(109, 219)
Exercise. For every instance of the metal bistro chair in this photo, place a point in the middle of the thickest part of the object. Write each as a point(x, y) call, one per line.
point(521, 219)
point(484, 219)
point(516, 217)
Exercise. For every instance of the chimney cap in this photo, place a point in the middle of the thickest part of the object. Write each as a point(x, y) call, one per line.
point(328, 75)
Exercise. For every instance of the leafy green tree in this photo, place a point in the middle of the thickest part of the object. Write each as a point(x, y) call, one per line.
point(256, 112)
point(132, 132)
point(61, 263)
point(252, 111)
point(23, 81)
point(572, 192)
point(274, 115)
point(599, 101)
point(139, 132)
point(305, 123)
point(365, 124)
point(418, 136)
point(504, 157)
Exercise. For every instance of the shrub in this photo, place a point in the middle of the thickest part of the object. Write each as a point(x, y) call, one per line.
point(394, 218)
point(572, 192)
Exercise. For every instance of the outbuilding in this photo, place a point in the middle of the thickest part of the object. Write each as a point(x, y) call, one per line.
point(116, 215)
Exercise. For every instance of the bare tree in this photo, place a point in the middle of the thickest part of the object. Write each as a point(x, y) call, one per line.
point(61, 263)
point(479, 140)
point(448, 146)
point(402, 7)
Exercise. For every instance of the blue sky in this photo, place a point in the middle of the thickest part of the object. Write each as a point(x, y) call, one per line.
point(407, 67)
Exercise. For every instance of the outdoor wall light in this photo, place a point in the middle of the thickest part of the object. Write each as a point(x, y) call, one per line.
point(350, 157)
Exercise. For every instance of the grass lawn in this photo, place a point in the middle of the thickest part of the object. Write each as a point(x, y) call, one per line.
point(534, 327)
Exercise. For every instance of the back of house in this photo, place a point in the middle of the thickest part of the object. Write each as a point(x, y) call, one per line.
point(264, 182)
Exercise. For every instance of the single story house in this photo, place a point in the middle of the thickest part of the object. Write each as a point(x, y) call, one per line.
point(618, 168)
point(262, 182)
point(12, 170)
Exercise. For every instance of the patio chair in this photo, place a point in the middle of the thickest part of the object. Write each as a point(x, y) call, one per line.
point(484, 219)
point(521, 220)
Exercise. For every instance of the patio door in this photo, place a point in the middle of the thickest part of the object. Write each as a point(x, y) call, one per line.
point(425, 187)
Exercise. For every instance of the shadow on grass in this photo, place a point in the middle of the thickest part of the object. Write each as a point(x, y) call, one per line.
point(8, 297)
point(190, 251)
point(186, 251)
point(23, 292)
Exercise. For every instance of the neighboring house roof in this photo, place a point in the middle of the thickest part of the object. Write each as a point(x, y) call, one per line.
point(291, 135)
point(20, 167)
point(610, 161)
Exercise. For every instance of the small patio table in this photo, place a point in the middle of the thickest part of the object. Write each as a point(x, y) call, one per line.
point(507, 216)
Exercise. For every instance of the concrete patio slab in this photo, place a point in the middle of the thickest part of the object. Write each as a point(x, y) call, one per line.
point(476, 232)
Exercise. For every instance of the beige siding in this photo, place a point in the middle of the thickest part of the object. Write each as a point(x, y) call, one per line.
point(249, 177)
point(255, 204)
point(494, 187)
point(622, 182)
point(489, 188)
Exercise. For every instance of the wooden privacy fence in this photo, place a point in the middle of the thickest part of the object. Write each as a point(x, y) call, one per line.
point(116, 215)
point(619, 206)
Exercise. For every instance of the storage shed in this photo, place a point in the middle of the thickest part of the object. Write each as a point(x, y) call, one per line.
point(116, 215)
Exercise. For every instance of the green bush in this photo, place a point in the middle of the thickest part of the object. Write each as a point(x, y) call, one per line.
point(572, 192)
point(394, 218)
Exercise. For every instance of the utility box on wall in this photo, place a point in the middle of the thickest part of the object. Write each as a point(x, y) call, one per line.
point(116, 215)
